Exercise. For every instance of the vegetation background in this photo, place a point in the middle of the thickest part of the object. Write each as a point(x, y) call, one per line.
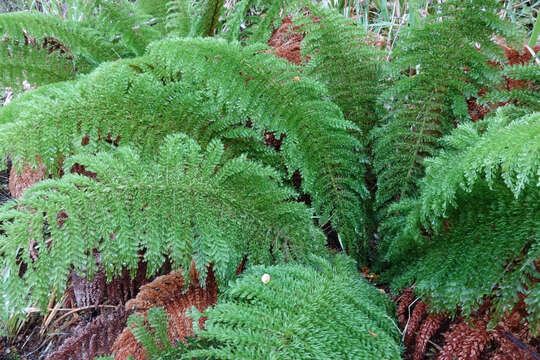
point(162, 158)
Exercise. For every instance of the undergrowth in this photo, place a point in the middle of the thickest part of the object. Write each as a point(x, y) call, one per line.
point(170, 134)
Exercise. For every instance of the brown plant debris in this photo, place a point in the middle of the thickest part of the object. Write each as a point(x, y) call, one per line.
point(18, 182)
point(464, 341)
point(427, 330)
point(89, 340)
point(84, 292)
point(513, 338)
point(286, 41)
point(414, 322)
point(406, 298)
point(167, 291)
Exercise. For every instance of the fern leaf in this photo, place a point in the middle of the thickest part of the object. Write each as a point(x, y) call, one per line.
point(172, 208)
point(426, 104)
point(207, 17)
point(87, 45)
point(320, 311)
point(33, 62)
point(207, 88)
point(478, 213)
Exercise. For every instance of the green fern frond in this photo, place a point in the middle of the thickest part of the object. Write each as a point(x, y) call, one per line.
point(37, 63)
point(122, 22)
point(207, 88)
point(252, 21)
point(479, 208)
point(189, 205)
point(438, 64)
point(158, 10)
point(207, 18)
point(319, 311)
point(278, 102)
point(87, 45)
point(341, 58)
point(154, 339)
point(180, 17)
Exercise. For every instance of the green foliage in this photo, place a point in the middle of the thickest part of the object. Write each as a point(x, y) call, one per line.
point(188, 205)
point(86, 47)
point(180, 17)
point(37, 62)
point(438, 64)
point(341, 58)
point(450, 207)
point(159, 11)
point(123, 23)
point(252, 21)
point(206, 20)
point(353, 71)
point(85, 36)
point(478, 213)
point(319, 311)
point(154, 337)
point(191, 18)
point(207, 88)
point(152, 334)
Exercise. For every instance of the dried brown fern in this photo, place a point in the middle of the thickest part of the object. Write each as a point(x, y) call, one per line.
point(85, 292)
point(413, 324)
point(167, 291)
point(403, 302)
point(18, 182)
point(464, 341)
point(92, 339)
point(513, 335)
point(286, 41)
point(429, 327)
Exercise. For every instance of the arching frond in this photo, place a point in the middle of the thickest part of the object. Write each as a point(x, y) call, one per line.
point(207, 88)
point(478, 213)
point(188, 205)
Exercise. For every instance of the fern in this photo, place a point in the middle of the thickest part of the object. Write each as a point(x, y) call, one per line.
point(86, 44)
point(252, 21)
point(158, 10)
point(444, 68)
point(207, 17)
point(179, 20)
point(36, 61)
point(123, 23)
point(341, 58)
point(154, 339)
point(90, 34)
point(478, 213)
point(189, 205)
point(207, 88)
point(321, 311)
